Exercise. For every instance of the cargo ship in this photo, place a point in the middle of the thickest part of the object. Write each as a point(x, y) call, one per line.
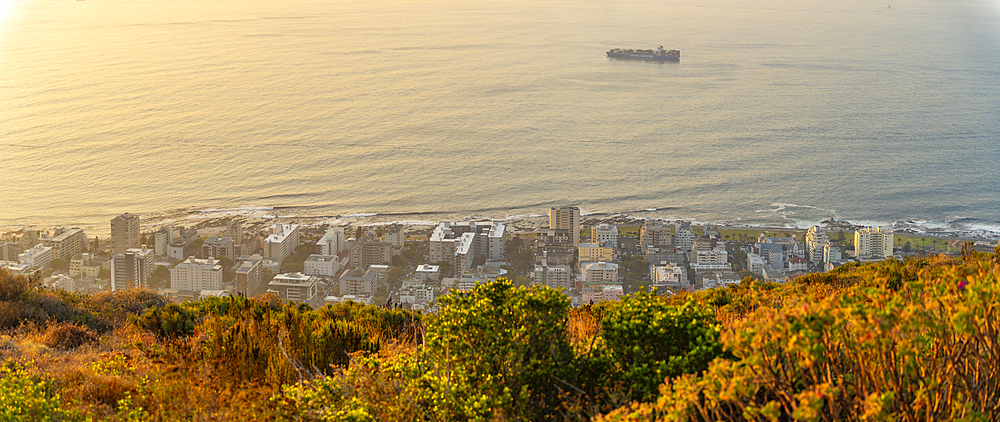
point(658, 54)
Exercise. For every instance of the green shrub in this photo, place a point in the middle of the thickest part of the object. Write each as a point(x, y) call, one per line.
point(27, 397)
point(650, 340)
point(508, 345)
point(168, 322)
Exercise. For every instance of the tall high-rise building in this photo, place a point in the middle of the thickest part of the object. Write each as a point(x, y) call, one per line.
point(131, 269)
point(124, 233)
point(873, 242)
point(816, 241)
point(567, 218)
point(163, 238)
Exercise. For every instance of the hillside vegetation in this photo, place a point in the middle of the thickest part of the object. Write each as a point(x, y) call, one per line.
point(908, 341)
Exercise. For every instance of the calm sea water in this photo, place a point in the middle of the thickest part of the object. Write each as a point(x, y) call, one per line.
point(862, 110)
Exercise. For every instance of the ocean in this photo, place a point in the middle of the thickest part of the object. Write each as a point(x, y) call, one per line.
point(783, 112)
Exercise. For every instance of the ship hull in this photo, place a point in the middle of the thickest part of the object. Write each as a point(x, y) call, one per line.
point(644, 57)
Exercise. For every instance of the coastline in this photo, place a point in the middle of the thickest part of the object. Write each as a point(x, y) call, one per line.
point(257, 218)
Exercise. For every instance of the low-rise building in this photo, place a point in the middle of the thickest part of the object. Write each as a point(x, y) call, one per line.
point(600, 272)
point(321, 265)
point(428, 272)
point(358, 281)
point(295, 287)
point(607, 292)
point(83, 265)
point(596, 252)
point(38, 256)
point(797, 263)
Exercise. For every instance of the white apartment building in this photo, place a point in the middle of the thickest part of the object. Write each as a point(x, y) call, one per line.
point(719, 255)
point(816, 243)
point(196, 274)
point(65, 243)
point(321, 265)
point(296, 287)
point(162, 240)
point(684, 236)
point(873, 242)
point(38, 256)
point(497, 240)
point(281, 241)
point(600, 272)
point(604, 233)
point(428, 272)
point(332, 242)
point(465, 252)
point(671, 275)
point(554, 276)
point(755, 264)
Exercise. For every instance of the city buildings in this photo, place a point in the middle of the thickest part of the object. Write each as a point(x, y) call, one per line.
point(816, 244)
point(250, 275)
point(566, 218)
point(163, 238)
point(83, 265)
point(124, 233)
point(321, 265)
point(684, 236)
point(394, 235)
point(600, 272)
point(196, 274)
point(358, 281)
point(873, 243)
point(606, 292)
point(295, 287)
point(333, 242)
point(131, 269)
point(219, 247)
point(602, 233)
point(428, 272)
point(669, 275)
point(367, 251)
point(755, 264)
point(595, 252)
point(10, 250)
point(281, 241)
point(653, 234)
point(465, 252)
point(65, 243)
point(38, 256)
point(554, 276)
